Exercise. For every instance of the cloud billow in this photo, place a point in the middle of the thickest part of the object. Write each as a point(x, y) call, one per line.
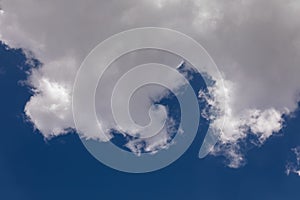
point(256, 45)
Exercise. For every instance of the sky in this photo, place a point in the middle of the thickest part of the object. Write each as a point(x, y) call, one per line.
point(256, 47)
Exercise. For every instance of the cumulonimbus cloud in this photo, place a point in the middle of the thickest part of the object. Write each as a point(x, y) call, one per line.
point(256, 45)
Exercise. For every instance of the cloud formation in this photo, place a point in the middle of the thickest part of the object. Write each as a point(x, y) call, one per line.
point(294, 167)
point(256, 45)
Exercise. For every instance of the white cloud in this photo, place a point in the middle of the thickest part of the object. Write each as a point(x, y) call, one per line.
point(50, 108)
point(255, 44)
point(294, 167)
point(260, 123)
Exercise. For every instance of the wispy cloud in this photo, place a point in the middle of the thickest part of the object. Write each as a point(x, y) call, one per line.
point(294, 166)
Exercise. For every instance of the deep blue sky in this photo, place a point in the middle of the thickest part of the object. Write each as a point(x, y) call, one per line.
point(34, 169)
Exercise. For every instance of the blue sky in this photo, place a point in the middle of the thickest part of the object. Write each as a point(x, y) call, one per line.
point(61, 168)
